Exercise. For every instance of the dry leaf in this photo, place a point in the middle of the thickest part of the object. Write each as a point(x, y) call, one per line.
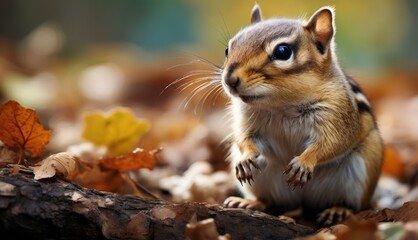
point(393, 164)
point(62, 164)
point(360, 230)
point(20, 127)
point(95, 178)
point(132, 161)
point(119, 131)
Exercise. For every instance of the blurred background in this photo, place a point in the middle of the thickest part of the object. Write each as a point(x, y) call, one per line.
point(65, 58)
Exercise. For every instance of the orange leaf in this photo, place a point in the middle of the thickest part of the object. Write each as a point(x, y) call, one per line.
point(20, 127)
point(393, 164)
point(132, 161)
point(110, 181)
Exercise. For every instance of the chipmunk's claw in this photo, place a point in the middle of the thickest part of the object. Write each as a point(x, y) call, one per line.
point(299, 175)
point(254, 164)
point(243, 170)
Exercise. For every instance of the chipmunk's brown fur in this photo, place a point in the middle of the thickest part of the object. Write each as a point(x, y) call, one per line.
point(304, 135)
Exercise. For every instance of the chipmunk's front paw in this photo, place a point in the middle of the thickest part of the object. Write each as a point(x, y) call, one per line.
point(299, 173)
point(243, 170)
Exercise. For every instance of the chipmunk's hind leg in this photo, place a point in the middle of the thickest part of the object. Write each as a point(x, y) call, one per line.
point(333, 215)
point(237, 202)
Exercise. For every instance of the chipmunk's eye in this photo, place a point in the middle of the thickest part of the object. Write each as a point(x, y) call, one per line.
point(226, 52)
point(282, 52)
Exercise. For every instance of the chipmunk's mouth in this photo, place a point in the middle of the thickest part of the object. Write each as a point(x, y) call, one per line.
point(250, 98)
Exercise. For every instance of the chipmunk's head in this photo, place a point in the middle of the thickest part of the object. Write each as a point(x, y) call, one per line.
point(280, 61)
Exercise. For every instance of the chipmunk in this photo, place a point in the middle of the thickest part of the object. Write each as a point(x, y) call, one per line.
point(304, 134)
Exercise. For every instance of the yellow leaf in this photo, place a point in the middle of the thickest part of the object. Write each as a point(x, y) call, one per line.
point(119, 131)
point(62, 164)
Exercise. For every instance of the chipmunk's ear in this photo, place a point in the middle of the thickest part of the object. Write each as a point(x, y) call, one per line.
point(256, 14)
point(321, 26)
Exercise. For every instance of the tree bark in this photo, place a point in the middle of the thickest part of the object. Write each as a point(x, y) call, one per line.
point(57, 209)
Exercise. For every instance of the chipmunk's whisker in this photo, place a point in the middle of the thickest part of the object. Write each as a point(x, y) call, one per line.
point(217, 93)
point(198, 72)
point(205, 96)
point(195, 63)
point(225, 30)
point(196, 91)
point(206, 77)
point(192, 74)
point(207, 62)
point(186, 85)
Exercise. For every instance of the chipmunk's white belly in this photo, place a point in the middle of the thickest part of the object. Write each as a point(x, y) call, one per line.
point(341, 182)
point(279, 144)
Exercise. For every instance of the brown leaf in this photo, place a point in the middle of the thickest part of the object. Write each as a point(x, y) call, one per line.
point(131, 161)
point(407, 213)
point(61, 164)
point(110, 181)
point(360, 230)
point(20, 127)
point(393, 164)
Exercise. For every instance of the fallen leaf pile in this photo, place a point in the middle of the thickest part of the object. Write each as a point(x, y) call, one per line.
point(21, 132)
point(117, 132)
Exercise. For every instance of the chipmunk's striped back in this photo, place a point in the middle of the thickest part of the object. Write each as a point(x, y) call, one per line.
point(361, 99)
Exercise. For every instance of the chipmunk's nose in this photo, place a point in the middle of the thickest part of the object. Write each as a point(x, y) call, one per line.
point(231, 79)
point(233, 82)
